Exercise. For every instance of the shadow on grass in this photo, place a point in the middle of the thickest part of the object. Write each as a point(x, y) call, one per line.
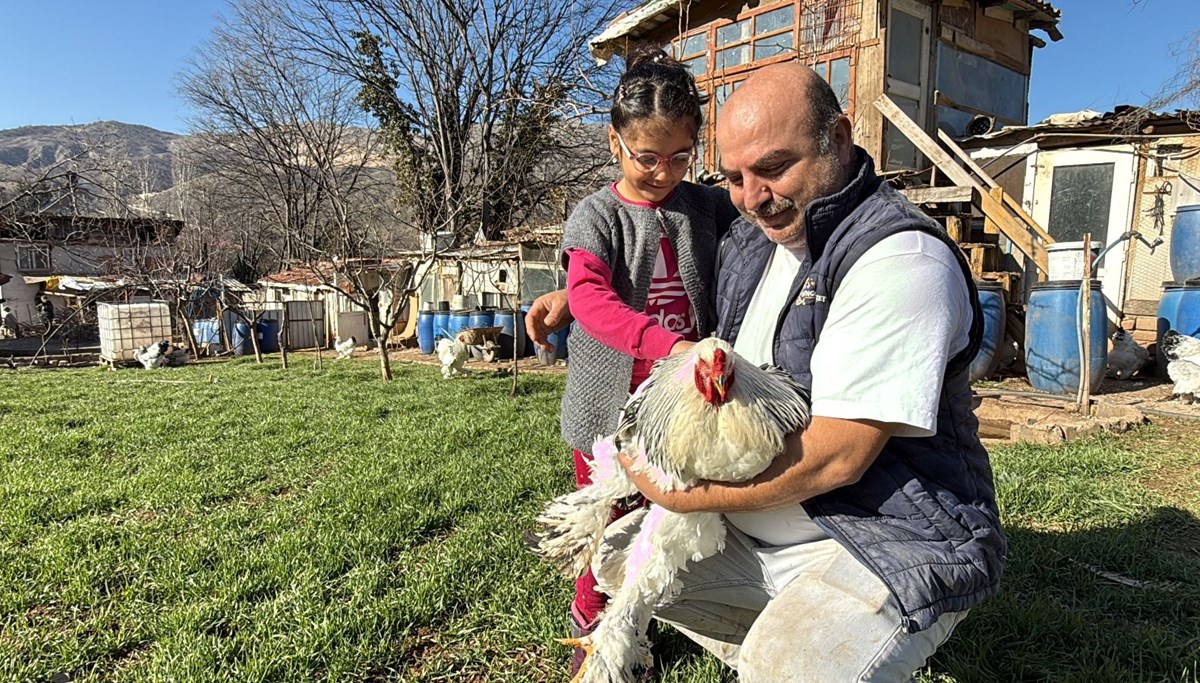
point(1095, 605)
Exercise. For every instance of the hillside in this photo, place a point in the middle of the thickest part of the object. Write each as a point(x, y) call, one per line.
point(40, 146)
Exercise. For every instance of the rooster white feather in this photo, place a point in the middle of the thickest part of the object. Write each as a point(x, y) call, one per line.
point(1183, 364)
point(703, 414)
point(345, 349)
point(453, 355)
point(154, 355)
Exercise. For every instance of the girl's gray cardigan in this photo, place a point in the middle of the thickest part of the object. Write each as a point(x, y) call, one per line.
point(626, 238)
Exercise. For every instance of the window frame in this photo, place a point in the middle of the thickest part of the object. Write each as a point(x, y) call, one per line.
point(26, 265)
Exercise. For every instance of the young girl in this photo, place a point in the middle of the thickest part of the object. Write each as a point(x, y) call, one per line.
point(640, 257)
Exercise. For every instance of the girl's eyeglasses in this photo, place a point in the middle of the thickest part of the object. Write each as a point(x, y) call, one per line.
point(648, 162)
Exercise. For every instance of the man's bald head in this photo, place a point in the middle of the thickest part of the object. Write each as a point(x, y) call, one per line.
point(789, 90)
point(783, 143)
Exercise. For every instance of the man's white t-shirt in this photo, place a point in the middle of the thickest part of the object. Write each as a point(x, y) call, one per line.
point(882, 353)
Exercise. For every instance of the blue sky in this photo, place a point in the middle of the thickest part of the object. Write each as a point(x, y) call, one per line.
point(78, 61)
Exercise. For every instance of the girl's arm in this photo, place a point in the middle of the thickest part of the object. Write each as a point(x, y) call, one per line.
point(603, 315)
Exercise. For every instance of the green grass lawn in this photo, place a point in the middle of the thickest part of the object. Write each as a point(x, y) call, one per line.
point(234, 522)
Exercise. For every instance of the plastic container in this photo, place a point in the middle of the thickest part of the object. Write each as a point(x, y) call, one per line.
point(1052, 337)
point(441, 324)
point(126, 327)
point(1185, 243)
point(482, 318)
point(1065, 259)
point(459, 321)
point(512, 331)
point(425, 331)
point(529, 345)
point(239, 339)
point(559, 341)
point(991, 300)
point(268, 336)
point(1179, 310)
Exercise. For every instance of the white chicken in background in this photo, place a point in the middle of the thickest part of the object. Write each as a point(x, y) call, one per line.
point(344, 349)
point(453, 355)
point(1183, 364)
point(154, 355)
point(703, 414)
point(1126, 356)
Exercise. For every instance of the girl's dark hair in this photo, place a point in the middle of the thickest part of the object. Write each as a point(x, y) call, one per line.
point(655, 85)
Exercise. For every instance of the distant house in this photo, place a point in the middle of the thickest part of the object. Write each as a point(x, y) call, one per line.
point(959, 65)
point(1105, 174)
point(488, 273)
point(66, 256)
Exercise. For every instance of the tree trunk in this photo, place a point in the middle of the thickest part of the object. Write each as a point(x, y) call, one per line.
point(381, 336)
point(283, 336)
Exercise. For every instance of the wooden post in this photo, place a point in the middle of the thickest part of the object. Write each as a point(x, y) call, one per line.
point(518, 324)
point(1085, 373)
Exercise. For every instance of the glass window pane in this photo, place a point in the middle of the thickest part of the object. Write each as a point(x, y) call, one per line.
point(981, 84)
point(676, 52)
point(765, 48)
point(697, 66)
point(839, 80)
point(901, 153)
point(953, 121)
point(733, 32)
point(1080, 197)
point(733, 56)
point(723, 93)
point(904, 47)
point(822, 69)
point(775, 20)
point(696, 43)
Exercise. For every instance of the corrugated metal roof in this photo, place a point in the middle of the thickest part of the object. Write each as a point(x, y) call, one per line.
point(1123, 120)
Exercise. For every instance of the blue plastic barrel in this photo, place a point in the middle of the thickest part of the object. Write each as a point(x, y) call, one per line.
point(240, 339)
point(559, 341)
point(482, 318)
point(207, 331)
point(459, 321)
point(1185, 243)
point(441, 324)
point(1052, 336)
point(991, 300)
point(528, 350)
point(1179, 310)
point(512, 331)
point(425, 331)
point(268, 336)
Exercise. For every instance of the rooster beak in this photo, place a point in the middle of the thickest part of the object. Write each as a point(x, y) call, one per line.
point(719, 385)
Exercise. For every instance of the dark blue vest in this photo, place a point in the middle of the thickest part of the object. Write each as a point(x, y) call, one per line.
point(923, 517)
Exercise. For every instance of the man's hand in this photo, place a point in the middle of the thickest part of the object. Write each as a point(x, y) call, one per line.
point(691, 499)
point(681, 346)
point(548, 313)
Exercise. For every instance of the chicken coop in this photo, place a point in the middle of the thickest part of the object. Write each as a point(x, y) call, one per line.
point(126, 327)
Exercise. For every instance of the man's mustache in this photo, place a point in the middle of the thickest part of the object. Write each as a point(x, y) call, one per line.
point(771, 208)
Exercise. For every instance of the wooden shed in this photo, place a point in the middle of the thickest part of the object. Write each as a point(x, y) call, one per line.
point(959, 65)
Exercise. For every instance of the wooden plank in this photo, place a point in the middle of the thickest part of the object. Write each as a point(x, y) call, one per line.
point(1014, 230)
point(939, 195)
point(1006, 198)
point(954, 227)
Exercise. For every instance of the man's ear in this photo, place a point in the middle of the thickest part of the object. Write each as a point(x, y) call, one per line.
point(842, 139)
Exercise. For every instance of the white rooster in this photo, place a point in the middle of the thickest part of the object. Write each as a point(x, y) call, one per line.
point(1126, 356)
point(703, 414)
point(345, 349)
point(1183, 364)
point(453, 355)
point(154, 355)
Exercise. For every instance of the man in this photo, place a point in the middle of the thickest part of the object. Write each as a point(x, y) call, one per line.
point(45, 311)
point(853, 557)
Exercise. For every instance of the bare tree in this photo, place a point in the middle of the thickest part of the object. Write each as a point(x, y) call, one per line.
point(478, 101)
